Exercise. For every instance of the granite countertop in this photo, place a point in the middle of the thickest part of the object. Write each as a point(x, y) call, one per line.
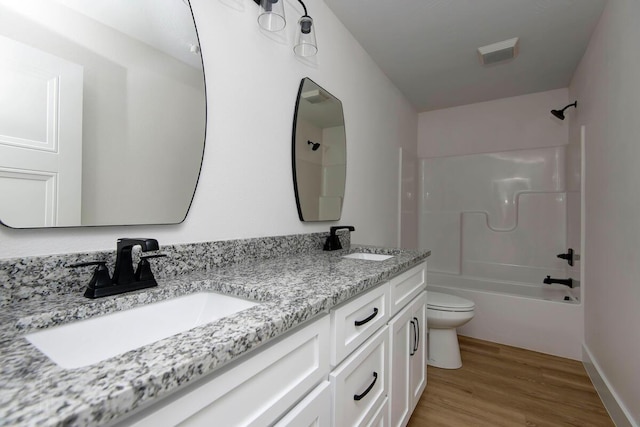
point(291, 289)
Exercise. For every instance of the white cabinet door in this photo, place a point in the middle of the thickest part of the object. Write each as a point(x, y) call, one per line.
point(418, 358)
point(401, 341)
point(40, 137)
point(407, 360)
point(252, 392)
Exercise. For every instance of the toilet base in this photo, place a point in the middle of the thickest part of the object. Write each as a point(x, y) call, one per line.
point(444, 351)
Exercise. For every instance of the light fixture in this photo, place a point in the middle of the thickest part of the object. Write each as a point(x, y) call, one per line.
point(271, 18)
point(306, 37)
point(271, 14)
point(560, 113)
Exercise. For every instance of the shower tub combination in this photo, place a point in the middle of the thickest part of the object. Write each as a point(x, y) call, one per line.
point(495, 223)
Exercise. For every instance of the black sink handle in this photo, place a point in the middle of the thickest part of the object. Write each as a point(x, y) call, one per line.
point(143, 272)
point(87, 264)
point(100, 278)
point(153, 256)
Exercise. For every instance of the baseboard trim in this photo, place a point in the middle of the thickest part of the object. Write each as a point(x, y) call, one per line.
point(617, 411)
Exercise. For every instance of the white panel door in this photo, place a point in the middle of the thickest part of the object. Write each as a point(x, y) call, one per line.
point(40, 137)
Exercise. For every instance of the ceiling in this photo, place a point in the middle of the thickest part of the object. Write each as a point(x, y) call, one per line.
point(428, 48)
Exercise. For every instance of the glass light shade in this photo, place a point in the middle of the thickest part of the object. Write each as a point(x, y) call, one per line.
point(306, 38)
point(271, 15)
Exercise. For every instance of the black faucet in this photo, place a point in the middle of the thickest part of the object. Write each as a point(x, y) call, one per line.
point(567, 282)
point(124, 278)
point(333, 242)
point(123, 274)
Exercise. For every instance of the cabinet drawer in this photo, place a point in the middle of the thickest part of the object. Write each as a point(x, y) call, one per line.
point(254, 392)
point(355, 321)
point(360, 384)
point(380, 418)
point(407, 286)
point(312, 411)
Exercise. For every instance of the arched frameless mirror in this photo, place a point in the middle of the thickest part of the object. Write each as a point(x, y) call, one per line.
point(319, 154)
point(102, 112)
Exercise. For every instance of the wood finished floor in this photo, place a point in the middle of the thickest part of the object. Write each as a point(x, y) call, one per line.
point(506, 386)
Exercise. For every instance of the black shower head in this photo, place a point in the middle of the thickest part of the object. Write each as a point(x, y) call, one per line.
point(314, 145)
point(560, 113)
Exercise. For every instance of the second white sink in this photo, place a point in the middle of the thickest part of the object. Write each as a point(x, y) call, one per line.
point(368, 257)
point(86, 342)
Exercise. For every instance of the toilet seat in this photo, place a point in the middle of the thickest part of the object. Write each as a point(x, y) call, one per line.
point(445, 302)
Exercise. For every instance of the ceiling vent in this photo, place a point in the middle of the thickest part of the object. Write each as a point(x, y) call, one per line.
point(499, 52)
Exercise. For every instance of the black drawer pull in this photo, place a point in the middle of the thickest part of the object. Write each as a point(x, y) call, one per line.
point(413, 347)
point(364, 393)
point(417, 334)
point(368, 319)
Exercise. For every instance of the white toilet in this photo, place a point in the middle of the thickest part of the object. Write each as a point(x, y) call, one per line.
point(444, 314)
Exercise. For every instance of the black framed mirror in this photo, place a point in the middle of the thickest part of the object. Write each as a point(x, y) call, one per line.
point(102, 114)
point(319, 153)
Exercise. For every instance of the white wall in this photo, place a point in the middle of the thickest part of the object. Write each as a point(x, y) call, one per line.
point(504, 124)
point(409, 196)
point(246, 187)
point(608, 92)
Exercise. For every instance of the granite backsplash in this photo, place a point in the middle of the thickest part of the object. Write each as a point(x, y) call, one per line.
point(36, 277)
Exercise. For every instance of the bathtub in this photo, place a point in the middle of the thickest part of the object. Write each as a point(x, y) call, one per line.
point(543, 318)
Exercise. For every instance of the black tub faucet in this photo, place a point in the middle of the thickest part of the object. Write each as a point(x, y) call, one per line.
point(333, 242)
point(567, 282)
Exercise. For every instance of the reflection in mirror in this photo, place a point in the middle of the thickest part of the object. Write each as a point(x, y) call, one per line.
point(319, 154)
point(102, 113)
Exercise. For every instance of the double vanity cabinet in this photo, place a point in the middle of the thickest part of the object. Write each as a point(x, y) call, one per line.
point(327, 338)
point(362, 364)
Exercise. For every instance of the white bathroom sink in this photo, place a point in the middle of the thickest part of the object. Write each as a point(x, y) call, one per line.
point(90, 341)
point(367, 256)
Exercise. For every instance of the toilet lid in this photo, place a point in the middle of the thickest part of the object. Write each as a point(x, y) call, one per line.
point(439, 301)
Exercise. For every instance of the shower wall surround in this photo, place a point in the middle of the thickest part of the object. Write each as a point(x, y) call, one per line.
point(497, 215)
